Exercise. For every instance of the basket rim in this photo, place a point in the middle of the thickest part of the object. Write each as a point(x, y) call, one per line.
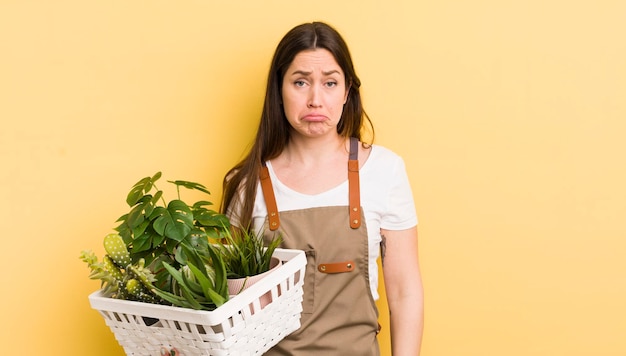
point(293, 261)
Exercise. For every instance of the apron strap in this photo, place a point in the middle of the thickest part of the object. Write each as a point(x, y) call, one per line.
point(353, 184)
point(270, 199)
point(354, 196)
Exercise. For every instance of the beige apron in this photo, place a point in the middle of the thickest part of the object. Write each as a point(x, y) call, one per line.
point(339, 314)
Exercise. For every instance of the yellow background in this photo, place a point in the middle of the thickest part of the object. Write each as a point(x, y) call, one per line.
point(511, 116)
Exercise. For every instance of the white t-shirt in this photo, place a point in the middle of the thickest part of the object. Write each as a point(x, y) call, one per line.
point(386, 199)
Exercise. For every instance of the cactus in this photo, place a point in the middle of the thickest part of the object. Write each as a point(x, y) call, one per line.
point(133, 286)
point(121, 279)
point(112, 269)
point(116, 250)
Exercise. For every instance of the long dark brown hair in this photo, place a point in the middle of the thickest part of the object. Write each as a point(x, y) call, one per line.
point(240, 183)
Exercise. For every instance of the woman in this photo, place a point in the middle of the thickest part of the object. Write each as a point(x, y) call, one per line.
point(343, 202)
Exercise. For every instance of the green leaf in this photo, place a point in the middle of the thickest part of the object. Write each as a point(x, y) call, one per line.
point(221, 286)
point(153, 202)
point(142, 243)
point(155, 177)
point(135, 217)
point(180, 257)
point(139, 212)
point(192, 255)
point(157, 240)
point(172, 298)
point(190, 185)
point(214, 234)
point(194, 286)
point(201, 203)
point(138, 190)
point(197, 238)
point(218, 299)
point(191, 298)
point(126, 235)
point(175, 274)
point(141, 228)
point(175, 222)
point(143, 186)
point(212, 219)
point(122, 218)
point(170, 246)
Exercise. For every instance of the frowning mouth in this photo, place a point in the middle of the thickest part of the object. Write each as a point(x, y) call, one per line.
point(314, 118)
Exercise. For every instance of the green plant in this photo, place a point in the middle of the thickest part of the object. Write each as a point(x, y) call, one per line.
point(161, 252)
point(244, 252)
point(151, 231)
point(196, 285)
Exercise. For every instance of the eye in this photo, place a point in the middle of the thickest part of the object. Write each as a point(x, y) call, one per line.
point(299, 83)
point(331, 84)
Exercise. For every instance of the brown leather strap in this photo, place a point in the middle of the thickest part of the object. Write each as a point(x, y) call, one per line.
point(337, 267)
point(270, 199)
point(354, 190)
point(353, 184)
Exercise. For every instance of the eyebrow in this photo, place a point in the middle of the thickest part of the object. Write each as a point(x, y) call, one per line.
point(305, 73)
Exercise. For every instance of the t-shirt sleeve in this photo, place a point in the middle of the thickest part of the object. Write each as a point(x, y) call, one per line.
point(400, 213)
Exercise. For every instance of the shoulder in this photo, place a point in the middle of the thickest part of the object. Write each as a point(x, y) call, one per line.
point(381, 157)
point(384, 151)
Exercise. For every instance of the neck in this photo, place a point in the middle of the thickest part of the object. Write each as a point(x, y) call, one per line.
point(308, 150)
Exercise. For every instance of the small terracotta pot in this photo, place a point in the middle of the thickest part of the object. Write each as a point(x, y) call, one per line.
point(237, 285)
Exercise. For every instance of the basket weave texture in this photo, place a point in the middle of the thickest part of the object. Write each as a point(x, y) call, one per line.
point(241, 326)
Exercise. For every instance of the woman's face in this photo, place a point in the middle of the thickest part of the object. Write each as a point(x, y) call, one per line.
point(314, 92)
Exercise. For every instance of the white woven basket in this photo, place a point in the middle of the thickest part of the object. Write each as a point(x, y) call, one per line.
point(238, 327)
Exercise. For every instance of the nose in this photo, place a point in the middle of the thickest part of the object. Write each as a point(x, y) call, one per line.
point(314, 97)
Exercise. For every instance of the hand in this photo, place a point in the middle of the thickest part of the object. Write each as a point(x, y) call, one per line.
point(171, 352)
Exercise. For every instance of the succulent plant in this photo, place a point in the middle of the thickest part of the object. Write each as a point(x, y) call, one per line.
point(131, 282)
point(245, 253)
